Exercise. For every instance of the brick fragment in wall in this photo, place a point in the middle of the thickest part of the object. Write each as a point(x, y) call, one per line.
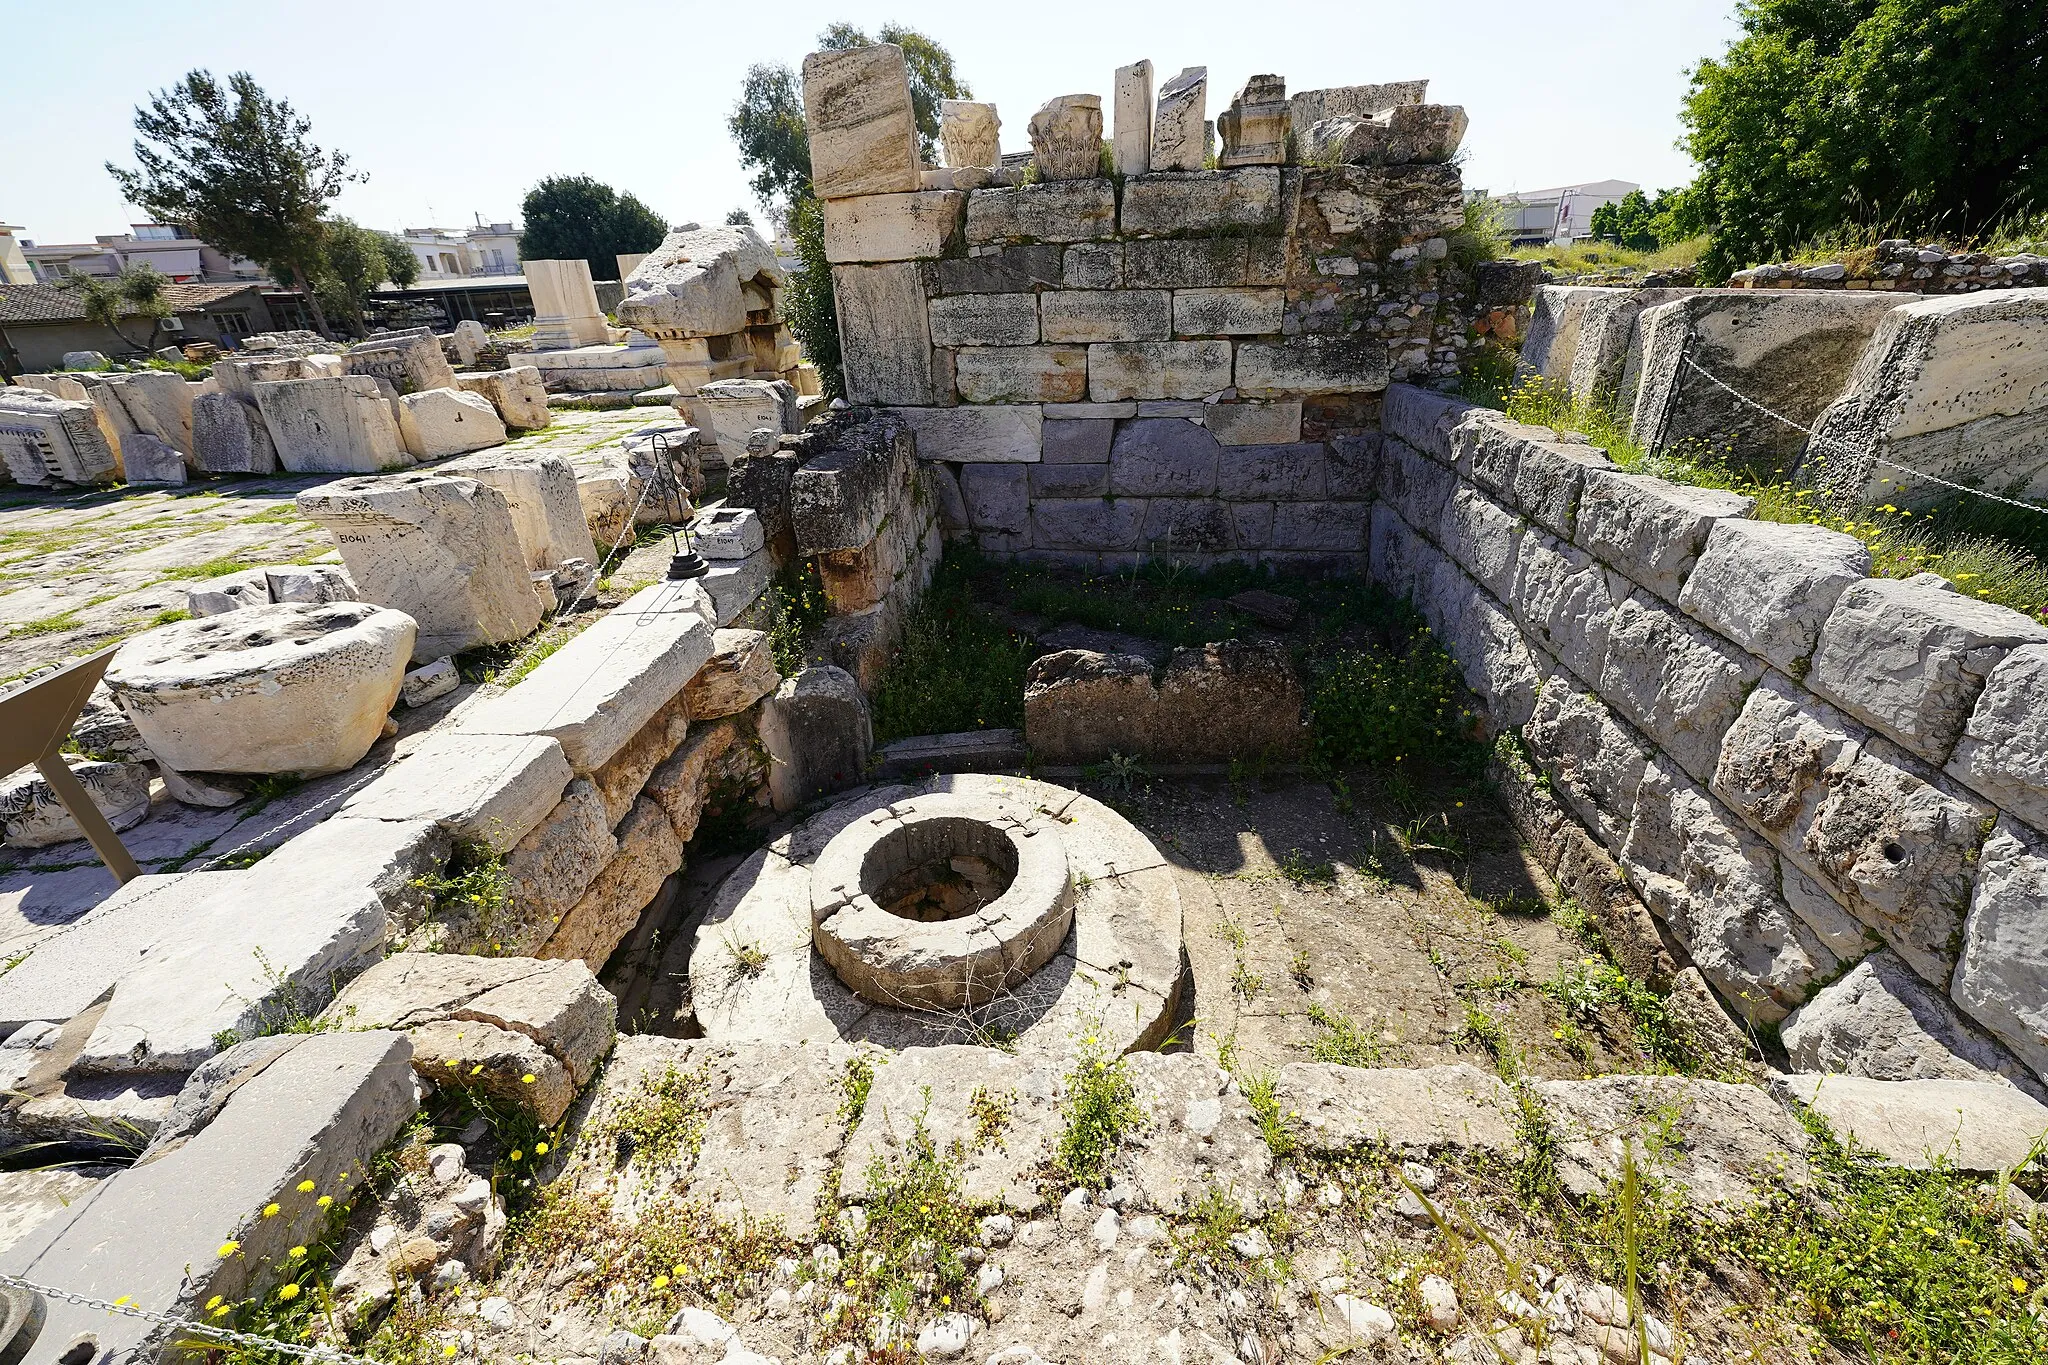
point(1483, 536)
point(1050, 480)
point(1087, 523)
point(884, 336)
point(1228, 312)
point(1021, 374)
point(994, 434)
point(1416, 487)
point(1565, 599)
point(1254, 423)
point(1770, 586)
point(1077, 442)
point(1910, 659)
point(1273, 473)
point(1085, 315)
point(1054, 211)
point(1187, 525)
point(998, 497)
point(1203, 201)
point(1008, 270)
point(1680, 683)
point(893, 227)
point(1093, 265)
point(1594, 760)
point(1651, 530)
point(985, 320)
point(2001, 980)
point(1163, 457)
point(1311, 365)
point(1157, 369)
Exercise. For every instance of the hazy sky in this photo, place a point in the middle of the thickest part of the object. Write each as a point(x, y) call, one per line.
point(455, 110)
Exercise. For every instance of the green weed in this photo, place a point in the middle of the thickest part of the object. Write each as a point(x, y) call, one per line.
point(1342, 1039)
point(957, 667)
point(1100, 1107)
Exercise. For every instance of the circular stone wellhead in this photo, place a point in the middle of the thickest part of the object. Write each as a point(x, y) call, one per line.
point(941, 901)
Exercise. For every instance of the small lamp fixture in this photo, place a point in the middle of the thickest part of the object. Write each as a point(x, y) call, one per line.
point(686, 563)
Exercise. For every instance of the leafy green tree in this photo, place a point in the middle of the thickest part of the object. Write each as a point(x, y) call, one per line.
point(401, 267)
point(572, 216)
point(137, 293)
point(808, 302)
point(739, 218)
point(767, 125)
point(241, 169)
point(355, 264)
point(1905, 117)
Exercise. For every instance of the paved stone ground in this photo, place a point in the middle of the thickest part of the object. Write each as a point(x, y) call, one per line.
point(82, 570)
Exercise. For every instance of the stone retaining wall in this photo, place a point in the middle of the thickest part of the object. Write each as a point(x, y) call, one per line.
point(1904, 266)
point(1795, 767)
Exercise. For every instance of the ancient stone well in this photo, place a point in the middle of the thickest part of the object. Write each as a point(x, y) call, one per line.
point(974, 907)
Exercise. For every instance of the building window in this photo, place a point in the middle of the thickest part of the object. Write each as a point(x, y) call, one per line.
point(232, 324)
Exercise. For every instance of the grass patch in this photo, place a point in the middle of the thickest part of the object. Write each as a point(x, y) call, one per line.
point(1597, 257)
point(212, 568)
point(49, 625)
point(1341, 1039)
point(472, 899)
point(957, 668)
point(1101, 1106)
point(665, 1121)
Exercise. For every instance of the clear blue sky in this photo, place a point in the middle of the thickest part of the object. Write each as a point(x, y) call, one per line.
point(455, 110)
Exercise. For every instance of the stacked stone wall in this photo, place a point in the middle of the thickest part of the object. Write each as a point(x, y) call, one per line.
point(1794, 766)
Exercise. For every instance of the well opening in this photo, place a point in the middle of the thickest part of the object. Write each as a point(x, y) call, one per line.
point(938, 870)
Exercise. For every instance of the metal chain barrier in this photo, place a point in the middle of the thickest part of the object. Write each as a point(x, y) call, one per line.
point(221, 1334)
point(1745, 399)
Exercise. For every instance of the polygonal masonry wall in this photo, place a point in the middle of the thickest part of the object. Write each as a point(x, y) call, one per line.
point(1083, 944)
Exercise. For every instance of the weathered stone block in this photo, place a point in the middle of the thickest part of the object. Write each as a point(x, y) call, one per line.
point(1354, 468)
point(331, 426)
point(1395, 551)
point(1228, 312)
point(488, 789)
point(1087, 523)
point(1084, 441)
point(1157, 369)
point(1425, 419)
point(1179, 124)
point(893, 227)
point(985, 320)
point(540, 490)
point(1236, 699)
point(553, 865)
point(1595, 761)
point(1548, 479)
point(649, 853)
point(1911, 659)
point(1056, 211)
point(1254, 423)
point(2001, 979)
point(1651, 530)
point(700, 282)
point(1332, 527)
point(1681, 684)
point(1066, 138)
point(519, 394)
point(998, 497)
point(1131, 131)
point(858, 117)
point(1093, 265)
point(1311, 365)
point(816, 731)
point(1187, 263)
point(1005, 270)
point(1770, 587)
point(1881, 1021)
point(884, 336)
point(1106, 315)
point(1417, 488)
point(1163, 457)
point(228, 436)
point(859, 469)
point(1069, 480)
point(1021, 374)
point(1275, 473)
point(1483, 536)
point(988, 435)
point(2003, 753)
point(1566, 598)
point(411, 361)
point(1187, 525)
point(1203, 201)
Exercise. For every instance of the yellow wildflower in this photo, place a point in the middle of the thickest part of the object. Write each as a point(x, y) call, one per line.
point(229, 1248)
point(305, 1187)
point(288, 1292)
point(270, 1210)
point(527, 1079)
point(297, 1253)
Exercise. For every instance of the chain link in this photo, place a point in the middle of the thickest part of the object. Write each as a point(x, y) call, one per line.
point(1844, 446)
point(200, 1329)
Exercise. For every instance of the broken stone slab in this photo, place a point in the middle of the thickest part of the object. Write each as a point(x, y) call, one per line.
point(1405, 135)
point(1977, 1125)
point(816, 730)
point(1254, 128)
point(1080, 706)
point(32, 816)
point(331, 426)
point(489, 789)
point(696, 284)
point(968, 132)
point(310, 583)
point(410, 361)
point(540, 489)
point(1912, 660)
point(649, 852)
point(1333, 1109)
point(2003, 752)
point(740, 671)
point(76, 964)
point(932, 1091)
point(858, 116)
point(595, 692)
point(395, 859)
point(1200, 1132)
point(1066, 138)
point(147, 460)
point(2001, 978)
point(1770, 586)
point(429, 682)
point(436, 423)
point(964, 751)
point(31, 1197)
point(147, 402)
point(1721, 1144)
point(319, 1113)
point(1131, 133)
point(1179, 138)
point(229, 592)
point(1651, 530)
point(518, 394)
point(442, 549)
point(1311, 107)
point(46, 440)
point(288, 688)
point(1881, 1021)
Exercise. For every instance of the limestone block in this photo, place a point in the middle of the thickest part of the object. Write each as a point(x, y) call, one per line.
point(1682, 685)
point(1236, 699)
point(1418, 488)
point(540, 490)
point(1054, 211)
point(145, 459)
point(1972, 1125)
point(45, 439)
point(893, 227)
point(1164, 456)
point(1021, 374)
point(1595, 762)
point(1069, 480)
point(1282, 473)
point(1335, 1110)
point(1911, 659)
point(1548, 478)
point(1131, 127)
point(1651, 530)
point(495, 1062)
point(152, 402)
point(1770, 587)
point(518, 394)
point(310, 583)
point(815, 728)
point(697, 283)
point(1311, 107)
point(2003, 753)
point(394, 858)
point(32, 816)
point(740, 671)
point(595, 692)
point(1498, 663)
point(331, 426)
point(229, 437)
point(1956, 387)
point(732, 410)
point(436, 423)
point(444, 550)
point(649, 852)
point(1567, 600)
point(1550, 347)
point(1881, 1021)
point(1005, 270)
point(270, 689)
point(859, 470)
point(1311, 365)
point(858, 116)
point(2001, 979)
point(1405, 135)
point(56, 385)
point(889, 565)
point(1482, 536)
point(998, 498)
point(995, 435)
point(1723, 1144)
point(985, 320)
point(412, 362)
point(1714, 883)
point(239, 375)
point(1238, 201)
point(1254, 128)
point(969, 133)
point(550, 868)
point(1079, 706)
point(620, 778)
point(1254, 423)
point(488, 789)
point(1066, 138)
point(1425, 419)
point(1395, 551)
point(1195, 525)
point(884, 336)
point(1228, 312)
point(229, 592)
point(1118, 371)
point(1082, 315)
point(1179, 141)
point(319, 1113)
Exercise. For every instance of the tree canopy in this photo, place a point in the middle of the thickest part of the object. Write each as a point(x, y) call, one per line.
point(355, 261)
point(1642, 223)
point(137, 293)
point(573, 216)
point(1901, 117)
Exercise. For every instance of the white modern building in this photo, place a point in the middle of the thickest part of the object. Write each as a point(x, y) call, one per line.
point(169, 247)
point(1560, 215)
point(14, 266)
point(495, 247)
